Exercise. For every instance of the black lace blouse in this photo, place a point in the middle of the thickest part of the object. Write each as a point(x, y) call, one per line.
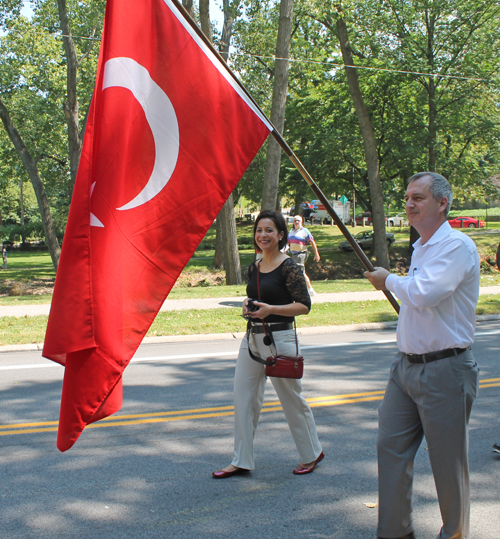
point(285, 284)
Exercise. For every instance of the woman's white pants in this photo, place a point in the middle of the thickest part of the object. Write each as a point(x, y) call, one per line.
point(249, 383)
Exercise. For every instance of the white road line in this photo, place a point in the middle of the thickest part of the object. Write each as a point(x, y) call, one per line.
point(228, 354)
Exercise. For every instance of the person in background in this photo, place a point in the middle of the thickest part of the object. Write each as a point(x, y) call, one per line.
point(278, 294)
point(434, 377)
point(298, 240)
point(4, 257)
point(306, 215)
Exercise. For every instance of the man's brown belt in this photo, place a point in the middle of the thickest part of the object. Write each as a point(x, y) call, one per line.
point(434, 356)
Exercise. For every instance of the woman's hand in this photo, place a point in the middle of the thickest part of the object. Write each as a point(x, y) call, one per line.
point(256, 312)
point(245, 308)
point(263, 310)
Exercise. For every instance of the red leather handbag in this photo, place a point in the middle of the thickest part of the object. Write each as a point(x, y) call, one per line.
point(278, 366)
point(285, 367)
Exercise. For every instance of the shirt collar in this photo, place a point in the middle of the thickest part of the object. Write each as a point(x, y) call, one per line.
point(443, 231)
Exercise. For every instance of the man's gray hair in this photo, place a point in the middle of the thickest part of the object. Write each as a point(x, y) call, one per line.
point(439, 187)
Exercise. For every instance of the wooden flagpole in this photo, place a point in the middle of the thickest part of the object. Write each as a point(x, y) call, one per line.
point(289, 152)
point(333, 214)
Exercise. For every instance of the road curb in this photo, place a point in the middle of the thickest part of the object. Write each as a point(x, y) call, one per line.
point(317, 330)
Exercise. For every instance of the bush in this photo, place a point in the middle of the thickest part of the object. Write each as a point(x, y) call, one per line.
point(18, 289)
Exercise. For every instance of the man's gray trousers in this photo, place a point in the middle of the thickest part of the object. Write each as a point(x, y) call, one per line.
point(433, 400)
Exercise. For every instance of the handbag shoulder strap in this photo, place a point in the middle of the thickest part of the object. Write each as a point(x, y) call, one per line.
point(257, 357)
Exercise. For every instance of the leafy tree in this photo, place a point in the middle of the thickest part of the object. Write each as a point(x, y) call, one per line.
point(281, 68)
point(321, 124)
point(369, 143)
point(457, 41)
point(35, 94)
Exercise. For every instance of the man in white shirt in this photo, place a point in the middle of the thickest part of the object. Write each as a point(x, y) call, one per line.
point(434, 378)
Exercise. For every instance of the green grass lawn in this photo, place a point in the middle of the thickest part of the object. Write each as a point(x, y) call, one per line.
point(28, 266)
point(37, 267)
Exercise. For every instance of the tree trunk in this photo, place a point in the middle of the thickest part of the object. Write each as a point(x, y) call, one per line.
point(296, 206)
point(432, 126)
point(370, 147)
point(227, 27)
point(430, 23)
point(226, 241)
point(206, 27)
point(281, 65)
point(188, 4)
point(71, 103)
point(218, 262)
point(41, 196)
point(231, 253)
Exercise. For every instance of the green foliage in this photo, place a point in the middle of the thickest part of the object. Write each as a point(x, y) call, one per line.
point(410, 55)
point(33, 88)
point(392, 42)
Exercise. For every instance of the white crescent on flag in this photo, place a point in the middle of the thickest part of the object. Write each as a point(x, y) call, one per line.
point(160, 115)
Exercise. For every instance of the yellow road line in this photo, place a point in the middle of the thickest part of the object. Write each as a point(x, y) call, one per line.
point(177, 412)
point(29, 425)
point(220, 411)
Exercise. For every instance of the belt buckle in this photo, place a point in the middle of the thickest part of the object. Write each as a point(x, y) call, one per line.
point(416, 358)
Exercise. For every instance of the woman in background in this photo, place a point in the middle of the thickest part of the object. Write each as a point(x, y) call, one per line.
point(298, 240)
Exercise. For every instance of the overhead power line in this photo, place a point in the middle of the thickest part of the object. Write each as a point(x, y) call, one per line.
point(332, 64)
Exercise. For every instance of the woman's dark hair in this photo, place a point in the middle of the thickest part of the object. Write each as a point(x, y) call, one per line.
point(280, 223)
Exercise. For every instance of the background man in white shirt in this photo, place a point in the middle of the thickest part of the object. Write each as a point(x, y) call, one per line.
point(434, 378)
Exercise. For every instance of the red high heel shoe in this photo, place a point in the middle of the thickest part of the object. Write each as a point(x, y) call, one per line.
point(301, 470)
point(222, 474)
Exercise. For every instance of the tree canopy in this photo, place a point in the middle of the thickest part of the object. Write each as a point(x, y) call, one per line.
point(428, 71)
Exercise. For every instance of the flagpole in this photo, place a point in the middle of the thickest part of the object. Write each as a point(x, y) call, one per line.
point(333, 214)
point(289, 152)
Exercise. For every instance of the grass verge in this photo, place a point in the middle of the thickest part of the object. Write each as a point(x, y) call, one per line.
point(26, 330)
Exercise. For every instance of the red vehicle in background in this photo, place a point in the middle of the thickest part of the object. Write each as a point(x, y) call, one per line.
point(466, 222)
point(368, 216)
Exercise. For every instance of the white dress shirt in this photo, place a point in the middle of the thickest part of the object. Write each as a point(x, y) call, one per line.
point(439, 295)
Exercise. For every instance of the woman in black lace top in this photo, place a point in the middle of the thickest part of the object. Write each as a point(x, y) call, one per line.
point(283, 295)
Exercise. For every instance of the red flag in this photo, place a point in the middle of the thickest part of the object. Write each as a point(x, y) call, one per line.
point(168, 137)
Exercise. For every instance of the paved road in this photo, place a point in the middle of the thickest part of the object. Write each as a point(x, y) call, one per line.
point(146, 473)
point(215, 303)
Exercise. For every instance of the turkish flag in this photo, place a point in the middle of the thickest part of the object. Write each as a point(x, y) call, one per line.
point(168, 137)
